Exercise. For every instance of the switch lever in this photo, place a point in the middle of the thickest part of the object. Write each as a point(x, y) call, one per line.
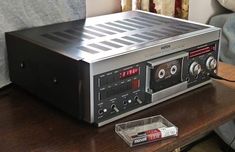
point(137, 99)
point(114, 107)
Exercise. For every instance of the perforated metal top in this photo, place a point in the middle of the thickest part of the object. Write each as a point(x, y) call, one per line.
point(105, 36)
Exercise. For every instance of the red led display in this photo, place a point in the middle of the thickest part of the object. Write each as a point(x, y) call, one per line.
point(201, 51)
point(129, 73)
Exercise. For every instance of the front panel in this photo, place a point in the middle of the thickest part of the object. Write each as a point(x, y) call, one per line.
point(119, 92)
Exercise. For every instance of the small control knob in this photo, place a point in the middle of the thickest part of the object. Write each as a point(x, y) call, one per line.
point(101, 111)
point(195, 68)
point(211, 63)
point(114, 107)
point(137, 99)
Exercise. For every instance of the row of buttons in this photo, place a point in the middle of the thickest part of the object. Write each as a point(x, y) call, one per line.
point(108, 79)
point(134, 84)
point(115, 90)
point(116, 109)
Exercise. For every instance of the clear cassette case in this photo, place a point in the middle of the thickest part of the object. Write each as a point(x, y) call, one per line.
point(146, 130)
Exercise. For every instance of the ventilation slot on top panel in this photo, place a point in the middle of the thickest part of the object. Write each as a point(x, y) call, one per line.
point(120, 26)
point(143, 37)
point(155, 35)
point(161, 32)
point(184, 28)
point(54, 38)
point(155, 22)
point(187, 25)
point(92, 33)
point(158, 18)
point(83, 48)
point(100, 47)
point(64, 35)
point(79, 34)
point(172, 31)
point(101, 30)
point(122, 41)
point(111, 28)
point(111, 44)
point(129, 24)
point(139, 23)
point(132, 39)
point(179, 27)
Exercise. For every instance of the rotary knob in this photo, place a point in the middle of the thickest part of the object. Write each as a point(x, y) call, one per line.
point(211, 63)
point(195, 68)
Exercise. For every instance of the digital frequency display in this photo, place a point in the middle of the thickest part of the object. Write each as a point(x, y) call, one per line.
point(129, 73)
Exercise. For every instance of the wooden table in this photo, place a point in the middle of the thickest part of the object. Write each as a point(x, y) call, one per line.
point(28, 124)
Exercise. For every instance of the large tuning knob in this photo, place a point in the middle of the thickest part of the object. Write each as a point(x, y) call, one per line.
point(211, 63)
point(195, 68)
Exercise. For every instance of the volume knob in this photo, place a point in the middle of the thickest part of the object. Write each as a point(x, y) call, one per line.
point(195, 68)
point(211, 63)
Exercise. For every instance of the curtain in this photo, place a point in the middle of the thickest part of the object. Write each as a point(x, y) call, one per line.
point(21, 14)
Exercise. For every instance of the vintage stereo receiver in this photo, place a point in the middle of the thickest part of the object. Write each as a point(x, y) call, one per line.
point(104, 68)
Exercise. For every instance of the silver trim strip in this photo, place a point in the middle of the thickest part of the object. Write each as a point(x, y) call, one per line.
point(219, 49)
point(168, 58)
point(157, 96)
point(92, 104)
point(151, 104)
point(147, 82)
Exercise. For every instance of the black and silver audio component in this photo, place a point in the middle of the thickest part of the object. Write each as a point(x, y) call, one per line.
point(104, 68)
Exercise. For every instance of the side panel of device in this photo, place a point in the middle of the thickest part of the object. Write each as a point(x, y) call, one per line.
point(49, 75)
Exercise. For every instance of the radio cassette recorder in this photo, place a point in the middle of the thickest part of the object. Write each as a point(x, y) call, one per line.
point(104, 68)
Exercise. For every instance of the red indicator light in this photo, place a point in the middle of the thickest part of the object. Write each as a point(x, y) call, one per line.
point(135, 84)
point(129, 73)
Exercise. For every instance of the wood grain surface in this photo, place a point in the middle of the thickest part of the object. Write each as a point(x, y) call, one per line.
point(29, 124)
